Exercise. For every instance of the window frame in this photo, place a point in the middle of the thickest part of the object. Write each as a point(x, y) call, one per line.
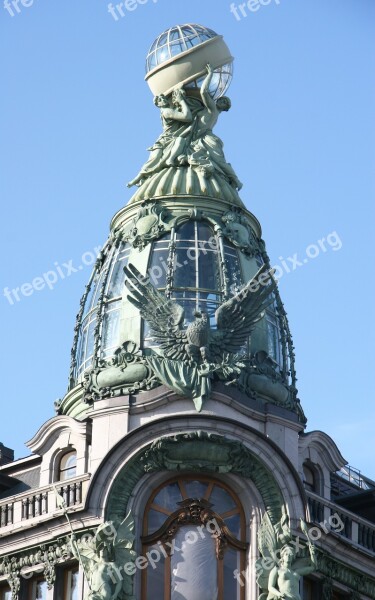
point(5, 590)
point(69, 453)
point(33, 588)
point(146, 538)
point(69, 572)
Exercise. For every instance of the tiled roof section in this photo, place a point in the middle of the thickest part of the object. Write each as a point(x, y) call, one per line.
point(25, 481)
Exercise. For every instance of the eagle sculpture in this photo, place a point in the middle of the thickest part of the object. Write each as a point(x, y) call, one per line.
point(198, 343)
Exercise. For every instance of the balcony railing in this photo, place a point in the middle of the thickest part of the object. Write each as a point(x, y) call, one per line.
point(41, 503)
point(355, 529)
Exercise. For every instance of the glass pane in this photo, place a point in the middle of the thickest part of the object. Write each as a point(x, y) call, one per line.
point(185, 276)
point(221, 500)
point(155, 520)
point(98, 285)
point(110, 329)
point(68, 466)
point(41, 590)
point(205, 232)
point(234, 524)
point(273, 340)
point(231, 586)
point(209, 274)
point(73, 591)
point(195, 489)
point(169, 496)
point(155, 574)
point(174, 34)
point(194, 566)
point(161, 55)
point(158, 269)
point(176, 48)
point(117, 279)
point(90, 339)
point(186, 231)
point(162, 40)
point(81, 348)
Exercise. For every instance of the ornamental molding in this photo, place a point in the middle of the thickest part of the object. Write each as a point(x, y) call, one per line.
point(197, 452)
point(126, 373)
point(325, 447)
point(55, 425)
point(39, 559)
point(238, 231)
point(335, 570)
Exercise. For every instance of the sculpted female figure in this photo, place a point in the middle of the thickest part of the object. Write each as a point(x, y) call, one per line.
point(207, 149)
point(187, 138)
point(171, 143)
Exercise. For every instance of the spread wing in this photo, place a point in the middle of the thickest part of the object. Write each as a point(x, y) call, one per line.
point(164, 316)
point(267, 538)
point(124, 552)
point(237, 316)
point(267, 544)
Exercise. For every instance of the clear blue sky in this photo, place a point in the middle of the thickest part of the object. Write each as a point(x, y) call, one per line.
point(76, 119)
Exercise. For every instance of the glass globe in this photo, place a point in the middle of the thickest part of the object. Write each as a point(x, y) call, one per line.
point(179, 39)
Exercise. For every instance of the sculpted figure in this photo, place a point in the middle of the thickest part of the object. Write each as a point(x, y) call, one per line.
point(102, 555)
point(279, 570)
point(171, 143)
point(284, 578)
point(187, 138)
point(208, 152)
point(101, 575)
point(190, 355)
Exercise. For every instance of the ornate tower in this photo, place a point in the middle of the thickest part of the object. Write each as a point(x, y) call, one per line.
point(177, 467)
point(178, 263)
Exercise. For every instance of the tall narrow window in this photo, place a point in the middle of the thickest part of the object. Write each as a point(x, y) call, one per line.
point(68, 466)
point(71, 584)
point(5, 594)
point(38, 589)
point(194, 528)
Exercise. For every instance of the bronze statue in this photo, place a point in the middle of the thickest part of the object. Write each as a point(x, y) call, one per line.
point(187, 139)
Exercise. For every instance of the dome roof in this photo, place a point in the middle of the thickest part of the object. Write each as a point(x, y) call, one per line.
point(190, 262)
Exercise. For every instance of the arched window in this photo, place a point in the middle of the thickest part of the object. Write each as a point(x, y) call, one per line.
point(310, 478)
point(193, 541)
point(67, 466)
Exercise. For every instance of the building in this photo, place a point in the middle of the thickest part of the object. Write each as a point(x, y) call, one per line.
point(178, 465)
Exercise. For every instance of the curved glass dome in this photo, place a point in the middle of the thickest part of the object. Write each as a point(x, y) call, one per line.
point(191, 265)
point(97, 330)
point(179, 39)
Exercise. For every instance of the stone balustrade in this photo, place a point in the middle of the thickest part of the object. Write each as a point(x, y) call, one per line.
point(357, 530)
point(40, 504)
